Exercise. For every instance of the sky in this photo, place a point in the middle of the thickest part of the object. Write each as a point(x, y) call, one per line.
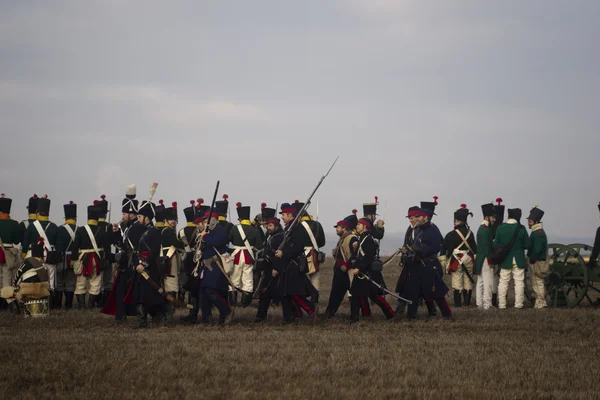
point(465, 100)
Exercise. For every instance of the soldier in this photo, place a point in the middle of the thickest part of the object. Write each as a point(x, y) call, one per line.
point(171, 250)
point(107, 268)
point(246, 241)
point(160, 215)
point(483, 269)
point(370, 211)
point(499, 210)
point(313, 241)
point(65, 277)
point(344, 255)
point(460, 249)
point(594, 255)
point(214, 283)
point(423, 278)
point(126, 237)
point(431, 205)
point(90, 247)
point(409, 238)
point(538, 254)
point(515, 263)
point(32, 216)
point(293, 286)
point(188, 235)
point(267, 285)
point(9, 241)
point(42, 227)
point(222, 207)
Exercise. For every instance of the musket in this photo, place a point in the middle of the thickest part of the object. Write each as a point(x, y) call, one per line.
point(393, 294)
point(467, 272)
point(299, 214)
point(198, 255)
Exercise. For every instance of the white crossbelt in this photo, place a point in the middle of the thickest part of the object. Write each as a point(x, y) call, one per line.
point(42, 233)
point(307, 249)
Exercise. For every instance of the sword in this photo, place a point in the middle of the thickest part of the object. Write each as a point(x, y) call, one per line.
point(393, 294)
point(160, 290)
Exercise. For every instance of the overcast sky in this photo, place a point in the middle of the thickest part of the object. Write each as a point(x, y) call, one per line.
point(466, 100)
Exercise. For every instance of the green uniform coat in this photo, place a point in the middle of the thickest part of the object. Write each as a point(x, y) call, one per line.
point(485, 236)
point(539, 244)
point(504, 235)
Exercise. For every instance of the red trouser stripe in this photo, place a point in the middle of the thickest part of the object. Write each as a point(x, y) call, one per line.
point(304, 306)
point(365, 310)
point(298, 312)
point(222, 299)
point(386, 304)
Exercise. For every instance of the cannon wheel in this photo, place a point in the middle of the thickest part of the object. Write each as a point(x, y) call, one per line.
point(567, 282)
point(593, 274)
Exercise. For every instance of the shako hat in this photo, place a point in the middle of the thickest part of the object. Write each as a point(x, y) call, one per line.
point(37, 249)
point(243, 212)
point(43, 206)
point(462, 213)
point(514, 213)
point(488, 210)
point(499, 209)
point(93, 212)
point(32, 205)
point(191, 211)
point(222, 206)
point(159, 211)
point(371, 208)
point(536, 214)
point(102, 206)
point(147, 209)
point(428, 207)
point(70, 210)
point(5, 204)
point(170, 213)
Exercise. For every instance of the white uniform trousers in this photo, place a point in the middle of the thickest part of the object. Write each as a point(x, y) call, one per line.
point(172, 280)
point(460, 279)
point(538, 288)
point(518, 275)
point(91, 285)
point(242, 276)
point(6, 276)
point(51, 268)
point(485, 281)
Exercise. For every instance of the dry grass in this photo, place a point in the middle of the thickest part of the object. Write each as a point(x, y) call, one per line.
point(511, 354)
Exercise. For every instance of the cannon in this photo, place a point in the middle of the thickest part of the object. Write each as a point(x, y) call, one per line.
point(570, 279)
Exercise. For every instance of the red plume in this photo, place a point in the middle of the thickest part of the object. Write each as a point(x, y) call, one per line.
point(463, 206)
point(263, 205)
point(192, 202)
point(499, 200)
point(238, 204)
point(174, 204)
point(161, 202)
point(376, 200)
point(70, 201)
point(40, 240)
point(225, 196)
point(200, 201)
point(354, 211)
point(95, 202)
point(103, 197)
point(35, 196)
point(296, 201)
point(435, 200)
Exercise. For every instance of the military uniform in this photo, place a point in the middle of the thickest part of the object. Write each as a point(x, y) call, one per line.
point(538, 256)
point(188, 235)
point(344, 255)
point(409, 237)
point(595, 249)
point(172, 248)
point(483, 269)
point(499, 210)
point(90, 247)
point(460, 249)
point(9, 245)
point(314, 239)
point(32, 216)
point(47, 230)
point(515, 262)
point(65, 277)
point(431, 205)
point(264, 265)
point(246, 241)
point(109, 267)
point(222, 207)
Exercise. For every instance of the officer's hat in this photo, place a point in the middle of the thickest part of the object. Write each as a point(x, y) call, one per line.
point(159, 211)
point(102, 206)
point(222, 205)
point(129, 206)
point(242, 211)
point(287, 208)
point(536, 214)
point(428, 207)
point(32, 205)
point(70, 210)
point(514, 213)
point(37, 249)
point(371, 208)
point(413, 211)
point(93, 212)
point(462, 213)
point(488, 210)
point(5, 204)
point(43, 206)
point(147, 209)
point(171, 212)
point(499, 209)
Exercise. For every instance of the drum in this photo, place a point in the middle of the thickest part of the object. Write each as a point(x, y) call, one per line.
point(36, 308)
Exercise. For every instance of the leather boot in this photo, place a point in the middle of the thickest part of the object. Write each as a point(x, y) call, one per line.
point(102, 299)
point(233, 299)
point(13, 306)
point(468, 300)
point(3, 304)
point(192, 317)
point(465, 297)
point(170, 312)
point(51, 299)
point(58, 297)
point(457, 298)
point(69, 300)
point(495, 300)
point(246, 299)
point(431, 310)
point(92, 301)
point(141, 316)
point(315, 300)
point(80, 301)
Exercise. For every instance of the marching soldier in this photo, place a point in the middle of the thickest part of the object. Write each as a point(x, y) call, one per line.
point(409, 238)
point(126, 237)
point(483, 269)
point(160, 215)
point(431, 205)
point(188, 235)
point(214, 283)
point(42, 227)
point(313, 241)
point(344, 255)
point(538, 254)
point(32, 216)
point(222, 207)
point(515, 263)
point(423, 278)
point(9, 241)
point(460, 249)
point(499, 210)
point(370, 212)
point(293, 286)
point(245, 240)
point(65, 277)
point(267, 287)
point(107, 269)
point(171, 250)
point(147, 299)
point(90, 247)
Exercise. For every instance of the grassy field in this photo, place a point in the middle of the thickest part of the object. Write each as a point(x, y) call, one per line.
point(527, 353)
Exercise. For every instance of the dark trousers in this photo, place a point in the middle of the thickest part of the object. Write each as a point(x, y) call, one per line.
point(378, 299)
point(267, 295)
point(359, 304)
point(440, 301)
point(121, 289)
point(293, 306)
point(339, 287)
point(213, 298)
